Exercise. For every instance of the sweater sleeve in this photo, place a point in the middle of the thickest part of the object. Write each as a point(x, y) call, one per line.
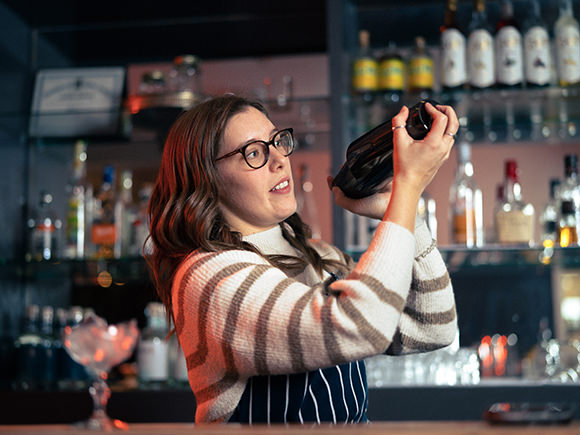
point(429, 319)
point(238, 316)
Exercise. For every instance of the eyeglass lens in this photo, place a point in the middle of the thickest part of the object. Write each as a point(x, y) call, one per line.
point(256, 153)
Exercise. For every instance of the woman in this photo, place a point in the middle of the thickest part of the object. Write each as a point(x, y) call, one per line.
point(274, 326)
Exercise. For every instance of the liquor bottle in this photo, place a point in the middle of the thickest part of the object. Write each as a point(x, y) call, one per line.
point(420, 71)
point(569, 197)
point(152, 351)
point(185, 75)
point(480, 49)
point(45, 230)
point(549, 221)
point(537, 53)
point(306, 202)
point(453, 50)
point(365, 69)
point(465, 202)
point(391, 72)
point(79, 194)
point(567, 35)
point(427, 210)
point(125, 215)
point(369, 158)
point(515, 217)
point(28, 350)
point(104, 231)
point(141, 223)
point(508, 48)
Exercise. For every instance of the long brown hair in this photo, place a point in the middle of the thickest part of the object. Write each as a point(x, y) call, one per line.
point(183, 210)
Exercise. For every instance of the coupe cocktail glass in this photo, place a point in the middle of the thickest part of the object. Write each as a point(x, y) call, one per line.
point(99, 347)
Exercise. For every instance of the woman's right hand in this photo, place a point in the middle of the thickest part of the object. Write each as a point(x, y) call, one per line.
point(416, 162)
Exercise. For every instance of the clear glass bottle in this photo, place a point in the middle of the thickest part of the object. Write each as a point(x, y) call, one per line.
point(480, 49)
point(365, 69)
point(453, 50)
point(465, 202)
point(45, 229)
point(420, 70)
point(567, 35)
point(79, 194)
point(515, 218)
point(104, 231)
point(509, 57)
point(569, 196)
point(185, 74)
point(427, 210)
point(549, 219)
point(152, 350)
point(537, 50)
point(125, 215)
point(141, 224)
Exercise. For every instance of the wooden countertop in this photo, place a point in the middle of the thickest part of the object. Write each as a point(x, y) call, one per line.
point(405, 428)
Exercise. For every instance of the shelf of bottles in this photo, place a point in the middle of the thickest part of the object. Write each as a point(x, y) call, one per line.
point(507, 80)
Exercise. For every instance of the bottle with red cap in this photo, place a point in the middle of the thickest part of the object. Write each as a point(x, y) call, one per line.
point(515, 218)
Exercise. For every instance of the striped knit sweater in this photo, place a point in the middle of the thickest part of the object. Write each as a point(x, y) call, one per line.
point(237, 316)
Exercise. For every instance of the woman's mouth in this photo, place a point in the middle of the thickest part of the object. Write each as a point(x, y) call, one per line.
point(281, 186)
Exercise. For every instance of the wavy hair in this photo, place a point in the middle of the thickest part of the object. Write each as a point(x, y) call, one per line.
point(183, 210)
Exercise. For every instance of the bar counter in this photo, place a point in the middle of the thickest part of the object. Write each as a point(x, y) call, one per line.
point(404, 428)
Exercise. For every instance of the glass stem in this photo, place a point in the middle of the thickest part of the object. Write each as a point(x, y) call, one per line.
point(100, 393)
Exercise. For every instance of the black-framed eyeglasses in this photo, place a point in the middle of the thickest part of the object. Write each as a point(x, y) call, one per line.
point(256, 153)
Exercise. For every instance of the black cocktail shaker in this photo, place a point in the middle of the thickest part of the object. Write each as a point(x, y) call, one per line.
point(369, 158)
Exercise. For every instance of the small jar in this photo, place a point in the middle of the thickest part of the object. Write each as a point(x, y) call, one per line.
point(152, 82)
point(185, 74)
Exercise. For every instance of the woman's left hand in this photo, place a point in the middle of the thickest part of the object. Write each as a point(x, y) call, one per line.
point(373, 206)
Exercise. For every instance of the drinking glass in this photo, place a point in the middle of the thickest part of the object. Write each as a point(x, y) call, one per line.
point(99, 347)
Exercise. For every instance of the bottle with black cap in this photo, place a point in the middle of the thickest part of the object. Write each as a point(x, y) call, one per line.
point(369, 159)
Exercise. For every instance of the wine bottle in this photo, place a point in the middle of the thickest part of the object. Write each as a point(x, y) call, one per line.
point(567, 36)
point(537, 53)
point(508, 48)
point(453, 50)
point(465, 202)
point(45, 228)
point(515, 217)
point(480, 49)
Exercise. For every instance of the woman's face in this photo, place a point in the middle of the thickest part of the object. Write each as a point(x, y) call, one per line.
point(253, 200)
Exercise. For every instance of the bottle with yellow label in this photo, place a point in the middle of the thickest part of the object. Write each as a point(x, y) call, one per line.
point(391, 74)
point(420, 70)
point(364, 74)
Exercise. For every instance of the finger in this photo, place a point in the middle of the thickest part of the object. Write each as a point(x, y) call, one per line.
point(399, 121)
point(440, 120)
point(453, 122)
point(329, 181)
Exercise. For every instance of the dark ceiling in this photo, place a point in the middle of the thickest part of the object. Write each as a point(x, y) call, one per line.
point(131, 31)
